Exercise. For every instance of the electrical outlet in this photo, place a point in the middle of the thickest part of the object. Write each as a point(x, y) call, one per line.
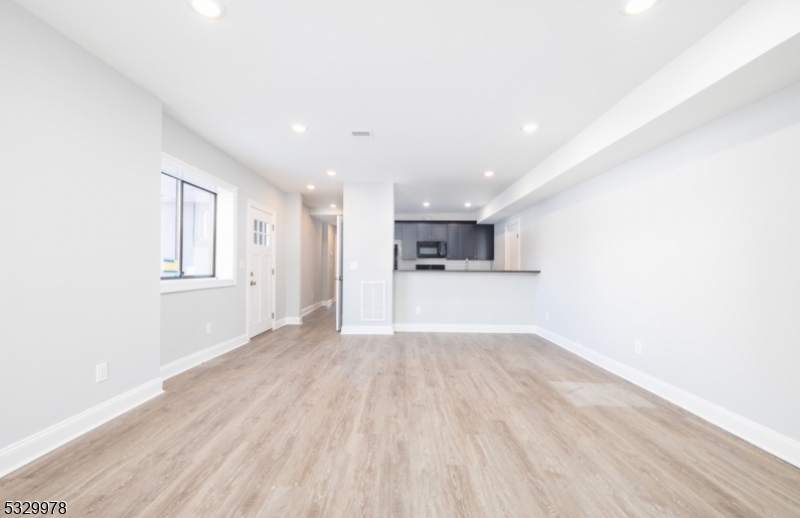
point(637, 346)
point(547, 315)
point(418, 310)
point(101, 372)
point(208, 328)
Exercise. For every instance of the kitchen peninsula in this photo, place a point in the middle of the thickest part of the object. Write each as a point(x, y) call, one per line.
point(445, 280)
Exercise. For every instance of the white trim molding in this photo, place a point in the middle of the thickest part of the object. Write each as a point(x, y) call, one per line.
point(27, 450)
point(293, 321)
point(328, 303)
point(312, 307)
point(756, 434)
point(464, 328)
point(367, 330)
point(279, 324)
point(193, 360)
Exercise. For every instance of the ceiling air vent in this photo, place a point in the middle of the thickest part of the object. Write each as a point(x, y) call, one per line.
point(362, 135)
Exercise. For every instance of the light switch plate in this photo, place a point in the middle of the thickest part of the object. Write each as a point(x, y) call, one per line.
point(101, 372)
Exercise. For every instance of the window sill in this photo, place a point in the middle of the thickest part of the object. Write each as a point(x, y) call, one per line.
point(173, 286)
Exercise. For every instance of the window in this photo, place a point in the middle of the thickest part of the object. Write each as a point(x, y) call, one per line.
point(188, 223)
point(198, 222)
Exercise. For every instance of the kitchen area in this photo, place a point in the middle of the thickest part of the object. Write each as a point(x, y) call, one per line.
point(446, 280)
point(443, 245)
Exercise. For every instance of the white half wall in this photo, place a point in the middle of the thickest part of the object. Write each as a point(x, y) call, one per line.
point(80, 147)
point(184, 314)
point(692, 249)
point(368, 252)
point(481, 302)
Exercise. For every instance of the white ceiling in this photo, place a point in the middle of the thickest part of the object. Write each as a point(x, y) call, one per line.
point(445, 85)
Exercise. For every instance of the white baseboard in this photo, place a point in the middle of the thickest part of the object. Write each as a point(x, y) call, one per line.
point(293, 321)
point(279, 324)
point(463, 328)
point(311, 308)
point(27, 450)
point(328, 303)
point(367, 330)
point(193, 360)
point(769, 440)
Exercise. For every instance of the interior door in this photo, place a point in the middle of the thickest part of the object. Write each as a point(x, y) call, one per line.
point(339, 271)
point(261, 275)
point(512, 246)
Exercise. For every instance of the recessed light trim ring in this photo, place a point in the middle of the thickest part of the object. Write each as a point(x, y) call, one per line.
point(211, 9)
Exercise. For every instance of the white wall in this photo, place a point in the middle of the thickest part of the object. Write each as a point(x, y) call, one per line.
point(327, 261)
point(294, 256)
point(368, 239)
point(464, 301)
point(79, 211)
point(693, 249)
point(312, 261)
point(184, 315)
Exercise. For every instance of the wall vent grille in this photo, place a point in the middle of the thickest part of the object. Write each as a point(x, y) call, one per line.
point(373, 301)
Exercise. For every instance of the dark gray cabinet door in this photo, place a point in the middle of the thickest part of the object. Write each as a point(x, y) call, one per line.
point(485, 250)
point(424, 232)
point(439, 232)
point(398, 231)
point(454, 241)
point(469, 241)
point(409, 245)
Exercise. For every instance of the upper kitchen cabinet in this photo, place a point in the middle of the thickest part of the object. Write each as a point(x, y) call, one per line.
point(431, 232)
point(439, 232)
point(485, 245)
point(454, 241)
point(469, 241)
point(398, 231)
point(409, 241)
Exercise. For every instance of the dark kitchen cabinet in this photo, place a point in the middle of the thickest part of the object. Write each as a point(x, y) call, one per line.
point(431, 232)
point(485, 245)
point(454, 241)
point(439, 232)
point(469, 241)
point(409, 243)
point(398, 231)
point(424, 232)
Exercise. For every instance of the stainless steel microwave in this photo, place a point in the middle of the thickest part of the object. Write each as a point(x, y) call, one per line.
point(431, 249)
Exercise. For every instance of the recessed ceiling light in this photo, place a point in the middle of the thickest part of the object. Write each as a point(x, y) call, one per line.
point(299, 128)
point(331, 173)
point(207, 8)
point(333, 205)
point(488, 173)
point(310, 187)
point(634, 7)
point(468, 204)
point(426, 204)
point(530, 128)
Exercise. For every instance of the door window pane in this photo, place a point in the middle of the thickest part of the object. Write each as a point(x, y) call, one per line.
point(198, 231)
point(170, 260)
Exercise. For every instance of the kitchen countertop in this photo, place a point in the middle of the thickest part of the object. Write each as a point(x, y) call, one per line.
point(468, 271)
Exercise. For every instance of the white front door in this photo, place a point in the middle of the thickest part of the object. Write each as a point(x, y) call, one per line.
point(261, 274)
point(512, 246)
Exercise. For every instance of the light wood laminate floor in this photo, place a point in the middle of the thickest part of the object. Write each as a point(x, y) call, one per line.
point(305, 422)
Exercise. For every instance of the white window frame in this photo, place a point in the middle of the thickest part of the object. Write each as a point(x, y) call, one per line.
point(227, 231)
